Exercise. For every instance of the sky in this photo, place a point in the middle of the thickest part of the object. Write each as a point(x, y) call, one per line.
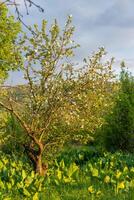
point(98, 23)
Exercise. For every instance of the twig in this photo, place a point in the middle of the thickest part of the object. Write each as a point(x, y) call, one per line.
point(18, 12)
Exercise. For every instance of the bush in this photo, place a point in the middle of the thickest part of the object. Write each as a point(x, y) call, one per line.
point(118, 133)
point(11, 140)
point(78, 154)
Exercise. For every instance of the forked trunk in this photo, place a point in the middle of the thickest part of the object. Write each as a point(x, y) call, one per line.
point(36, 157)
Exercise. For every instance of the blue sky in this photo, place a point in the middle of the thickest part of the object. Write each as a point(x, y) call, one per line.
point(107, 23)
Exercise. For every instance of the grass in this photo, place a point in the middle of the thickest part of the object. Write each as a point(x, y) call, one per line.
point(80, 174)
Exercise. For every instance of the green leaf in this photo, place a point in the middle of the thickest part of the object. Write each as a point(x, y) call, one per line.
point(26, 193)
point(32, 174)
point(59, 174)
point(24, 175)
point(62, 164)
point(72, 169)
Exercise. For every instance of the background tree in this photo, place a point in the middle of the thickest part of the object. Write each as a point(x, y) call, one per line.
point(10, 58)
point(119, 130)
point(93, 96)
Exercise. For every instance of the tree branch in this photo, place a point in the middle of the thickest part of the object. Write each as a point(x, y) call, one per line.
point(27, 129)
point(29, 132)
point(27, 4)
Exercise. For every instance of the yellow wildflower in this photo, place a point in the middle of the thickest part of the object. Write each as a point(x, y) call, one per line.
point(99, 193)
point(125, 169)
point(118, 174)
point(107, 179)
point(121, 185)
point(91, 189)
point(95, 172)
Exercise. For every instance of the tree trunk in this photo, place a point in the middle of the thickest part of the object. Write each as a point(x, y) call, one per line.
point(36, 157)
point(40, 167)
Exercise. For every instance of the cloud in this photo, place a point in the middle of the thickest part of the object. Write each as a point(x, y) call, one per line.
point(120, 14)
